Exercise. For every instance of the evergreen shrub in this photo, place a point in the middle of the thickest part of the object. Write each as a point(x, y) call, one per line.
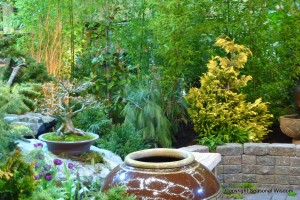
point(218, 110)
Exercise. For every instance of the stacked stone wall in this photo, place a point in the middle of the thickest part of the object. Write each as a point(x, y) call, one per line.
point(263, 164)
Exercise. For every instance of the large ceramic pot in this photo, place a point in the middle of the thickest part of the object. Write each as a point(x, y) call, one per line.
point(290, 125)
point(72, 148)
point(164, 174)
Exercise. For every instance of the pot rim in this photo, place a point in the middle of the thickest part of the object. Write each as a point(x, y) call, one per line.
point(186, 158)
point(41, 137)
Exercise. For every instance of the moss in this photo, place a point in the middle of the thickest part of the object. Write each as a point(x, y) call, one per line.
point(67, 137)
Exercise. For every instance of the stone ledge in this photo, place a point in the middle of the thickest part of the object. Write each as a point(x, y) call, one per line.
point(259, 149)
point(196, 148)
point(277, 149)
point(230, 149)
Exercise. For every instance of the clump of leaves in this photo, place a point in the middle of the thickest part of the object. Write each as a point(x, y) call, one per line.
point(117, 193)
point(93, 120)
point(18, 99)
point(123, 140)
point(218, 110)
point(143, 109)
point(8, 137)
point(33, 71)
point(49, 193)
point(292, 194)
point(235, 196)
point(18, 181)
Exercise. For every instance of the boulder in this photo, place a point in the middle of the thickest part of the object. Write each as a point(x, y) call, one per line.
point(87, 172)
point(37, 122)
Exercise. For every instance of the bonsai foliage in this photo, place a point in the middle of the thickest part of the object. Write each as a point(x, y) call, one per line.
point(218, 111)
point(65, 101)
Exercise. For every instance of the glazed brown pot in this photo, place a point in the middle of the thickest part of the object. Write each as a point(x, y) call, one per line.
point(72, 148)
point(164, 174)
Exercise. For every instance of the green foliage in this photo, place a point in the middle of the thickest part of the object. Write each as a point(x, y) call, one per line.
point(143, 110)
point(292, 194)
point(21, 184)
point(93, 120)
point(49, 193)
point(34, 71)
point(18, 99)
point(270, 29)
point(8, 137)
point(123, 139)
point(117, 193)
point(218, 109)
point(20, 129)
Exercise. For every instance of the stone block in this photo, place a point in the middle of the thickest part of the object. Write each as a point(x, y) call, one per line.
point(196, 148)
point(265, 179)
point(281, 187)
point(249, 169)
point(264, 186)
point(280, 149)
point(249, 159)
point(281, 179)
point(256, 148)
point(294, 161)
point(249, 178)
point(220, 169)
point(232, 160)
point(265, 170)
point(295, 180)
point(282, 160)
point(37, 122)
point(232, 169)
point(298, 150)
point(232, 178)
point(295, 187)
point(230, 149)
point(265, 160)
point(282, 170)
point(220, 178)
point(295, 171)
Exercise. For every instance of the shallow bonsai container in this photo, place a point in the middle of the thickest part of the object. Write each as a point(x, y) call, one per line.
point(69, 147)
point(164, 174)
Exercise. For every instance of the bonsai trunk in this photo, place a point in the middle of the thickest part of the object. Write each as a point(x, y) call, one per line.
point(67, 127)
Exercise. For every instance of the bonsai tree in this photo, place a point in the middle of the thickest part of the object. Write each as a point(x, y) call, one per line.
point(218, 109)
point(65, 101)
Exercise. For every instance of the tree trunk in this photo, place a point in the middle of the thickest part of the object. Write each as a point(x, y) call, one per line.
point(13, 74)
point(68, 127)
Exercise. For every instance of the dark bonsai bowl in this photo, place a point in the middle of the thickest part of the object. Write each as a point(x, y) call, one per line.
point(72, 148)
